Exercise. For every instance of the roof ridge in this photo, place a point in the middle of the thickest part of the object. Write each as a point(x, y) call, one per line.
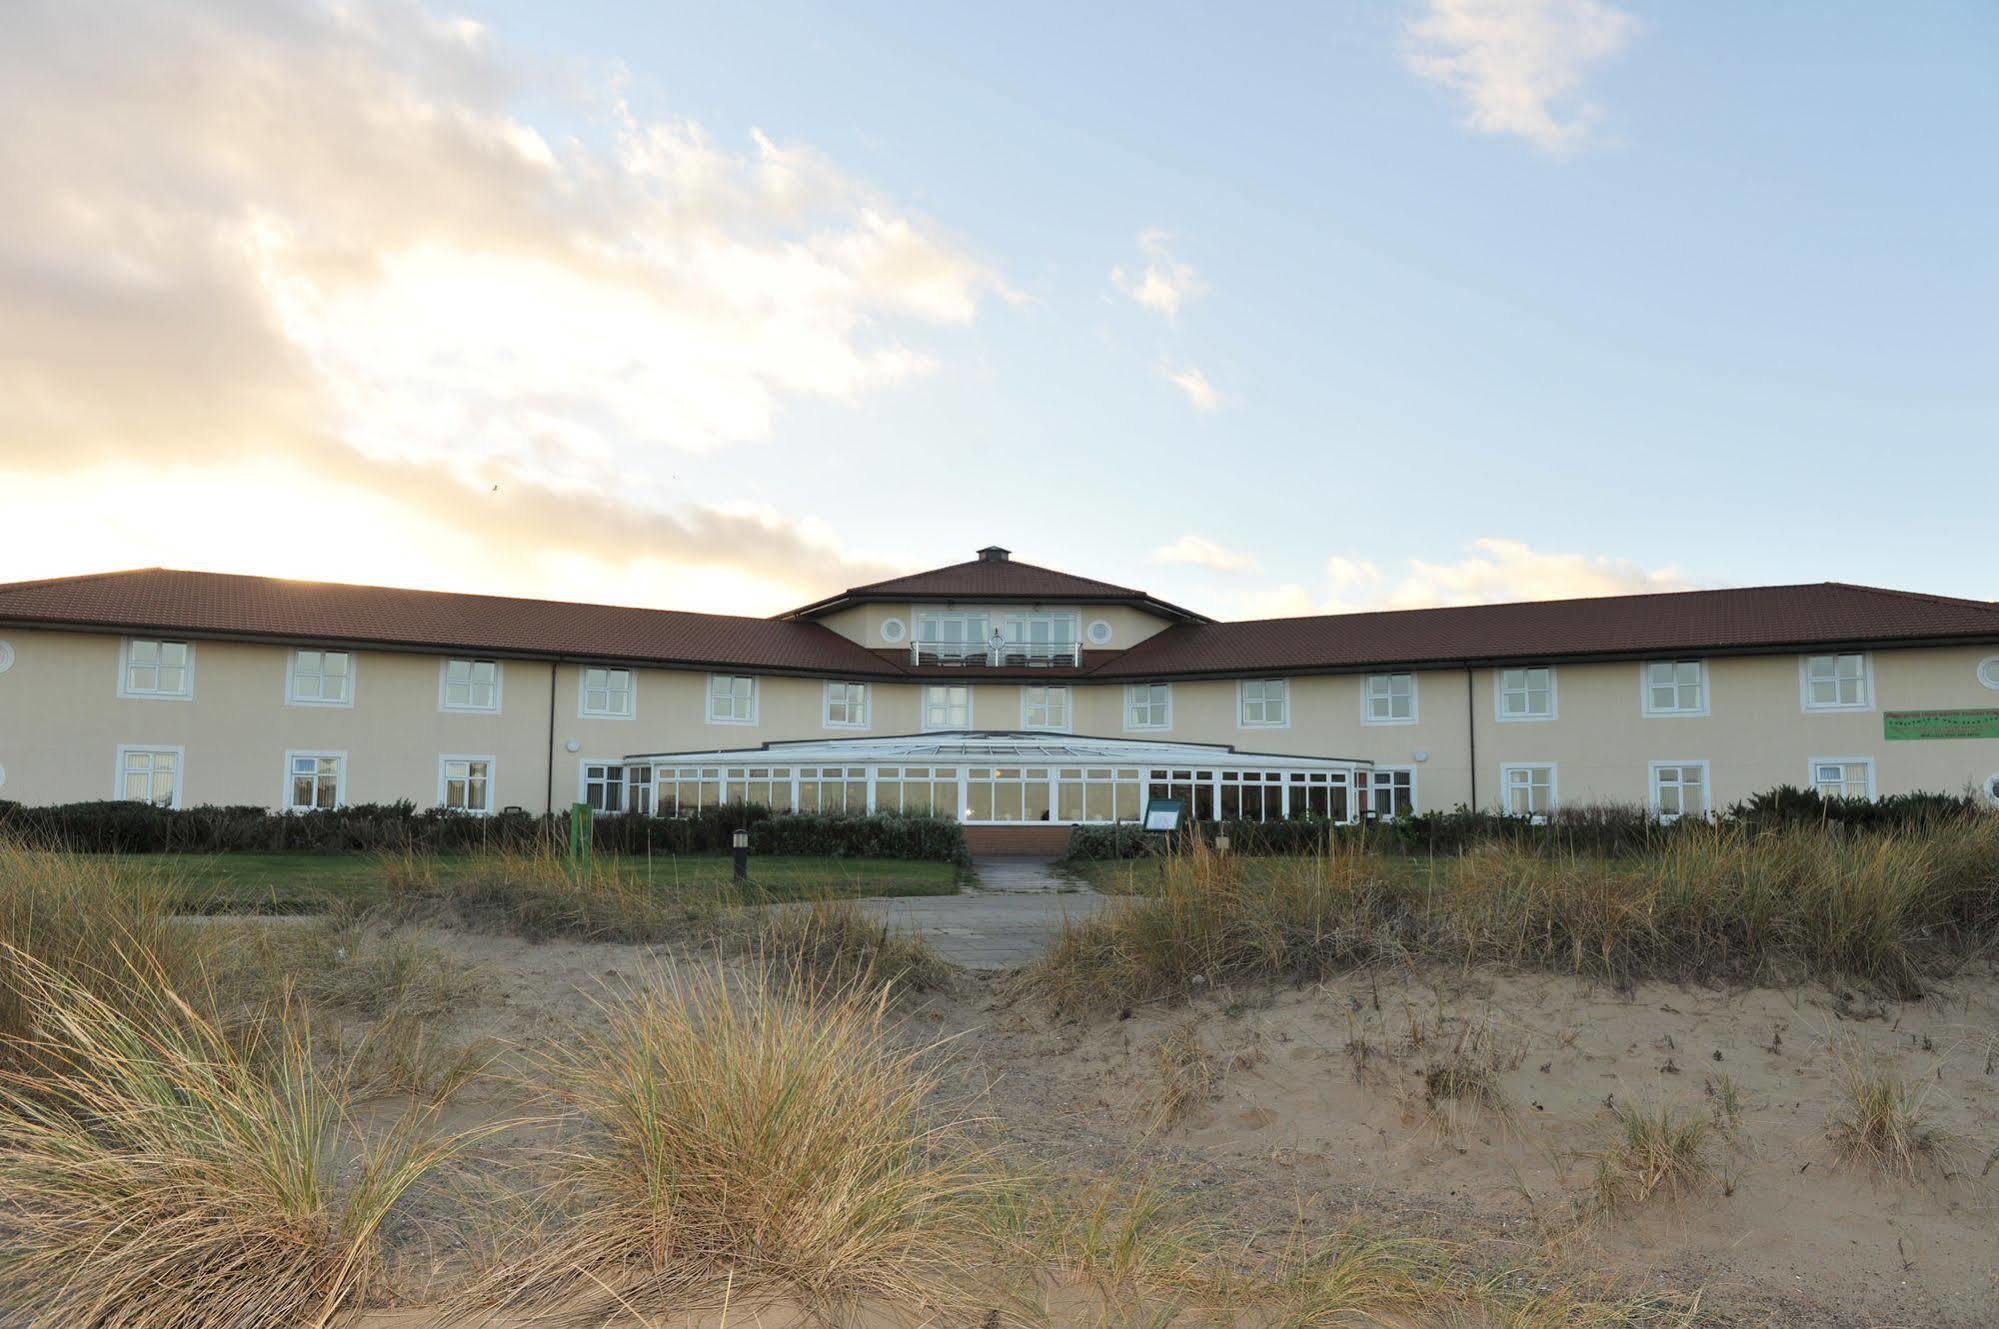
point(1011, 562)
point(35, 582)
point(1926, 597)
point(1558, 600)
point(398, 590)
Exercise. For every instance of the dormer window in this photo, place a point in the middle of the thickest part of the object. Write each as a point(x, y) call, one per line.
point(997, 636)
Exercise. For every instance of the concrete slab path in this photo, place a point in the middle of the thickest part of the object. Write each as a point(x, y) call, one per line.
point(1017, 909)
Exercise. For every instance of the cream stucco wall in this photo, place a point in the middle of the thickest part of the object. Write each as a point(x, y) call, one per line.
point(62, 722)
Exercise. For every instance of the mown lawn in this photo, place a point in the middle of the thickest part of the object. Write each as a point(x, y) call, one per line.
point(310, 882)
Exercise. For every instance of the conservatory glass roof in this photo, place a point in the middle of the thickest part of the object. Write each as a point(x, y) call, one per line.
point(1010, 746)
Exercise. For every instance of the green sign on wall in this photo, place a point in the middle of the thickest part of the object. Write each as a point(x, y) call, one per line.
point(1940, 724)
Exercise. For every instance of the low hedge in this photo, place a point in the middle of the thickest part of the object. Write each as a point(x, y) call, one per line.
point(826, 835)
point(1606, 829)
point(137, 828)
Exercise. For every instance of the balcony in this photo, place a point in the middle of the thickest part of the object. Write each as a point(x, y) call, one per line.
point(998, 654)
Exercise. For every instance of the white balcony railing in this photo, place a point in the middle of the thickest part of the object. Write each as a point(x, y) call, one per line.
point(1033, 654)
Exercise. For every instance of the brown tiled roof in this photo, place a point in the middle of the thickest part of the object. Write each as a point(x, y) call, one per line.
point(218, 604)
point(995, 579)
point(1691, 622)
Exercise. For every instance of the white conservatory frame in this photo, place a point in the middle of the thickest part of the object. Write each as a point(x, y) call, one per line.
point(1061, 779)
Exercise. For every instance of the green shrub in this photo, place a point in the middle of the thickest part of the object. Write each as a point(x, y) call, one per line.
point(823, 835)
point(1599, 829)
point(139, 828)
point(1787, 805)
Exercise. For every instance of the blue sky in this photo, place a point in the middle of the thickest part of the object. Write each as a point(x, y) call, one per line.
point(1636, 294)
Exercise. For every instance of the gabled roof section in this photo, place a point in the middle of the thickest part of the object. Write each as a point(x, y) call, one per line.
point(995, 575)
point(1745, 620)
point(225, 605)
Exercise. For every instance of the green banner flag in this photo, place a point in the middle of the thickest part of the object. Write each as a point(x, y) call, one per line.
point(1940, 724)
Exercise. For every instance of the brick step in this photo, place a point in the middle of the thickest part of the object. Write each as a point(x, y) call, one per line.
point(1041, 841)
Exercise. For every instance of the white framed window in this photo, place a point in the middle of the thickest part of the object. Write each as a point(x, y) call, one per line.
point(468, 685)
point(1263, 703)
point(732, 699)
point(315, 781)
point(1388, 699)
point(1148, 706)
point(1391, 791)
point(156, 670)
point(947, 706)
point(1679, 789)
point(1673, 687)
point(894, 630)
point(1044, 707)
point(150, 774)
point(1988, 670)
point(465, 784)
point(1527, 790)
point(320, 678)
point(1526, 694)
point(954, 627)
point(1052, 628)
point(1842, 682)
point(846, 706)
point(601, 784)
point(607, 692)
point(1099, 632)
point(1843, 777)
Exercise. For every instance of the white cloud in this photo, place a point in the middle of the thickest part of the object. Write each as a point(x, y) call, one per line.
point(1520, 64)
point(1164, 283)
point(1194, 383)
point(1201, 552)
point(322, 236)
point(1502, 570)
point(1493, 571)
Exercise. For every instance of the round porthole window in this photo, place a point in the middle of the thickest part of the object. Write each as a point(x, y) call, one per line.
point(1988, 670)
point(3, 775)
point(1100, 633)
point(6, 657)
point(1992, 790)
point(893, 630)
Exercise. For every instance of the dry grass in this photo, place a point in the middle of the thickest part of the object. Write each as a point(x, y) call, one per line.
point(362, 964)
point(1715, 903)
point(105, 925)
point(539, 894)
point(1127, 1251)
point(1136, 1255)
point(153, 1172)
point(835, 945)
point(1463, 1078)
point(763, 1139)
point(1884, 1122)
point(1188, 1075)
point(1655, 1151)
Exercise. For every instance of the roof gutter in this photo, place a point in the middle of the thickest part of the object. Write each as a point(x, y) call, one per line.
point(888, 673)
point(1116, 671)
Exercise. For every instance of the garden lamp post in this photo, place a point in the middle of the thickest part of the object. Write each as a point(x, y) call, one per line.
point(740, 841)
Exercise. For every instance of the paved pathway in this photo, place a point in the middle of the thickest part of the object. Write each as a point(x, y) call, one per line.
point(1008, 920)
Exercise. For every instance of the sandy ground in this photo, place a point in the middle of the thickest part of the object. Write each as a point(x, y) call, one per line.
point(1267, 1108)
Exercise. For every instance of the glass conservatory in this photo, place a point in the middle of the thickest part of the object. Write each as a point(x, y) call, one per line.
point(1003, 778)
